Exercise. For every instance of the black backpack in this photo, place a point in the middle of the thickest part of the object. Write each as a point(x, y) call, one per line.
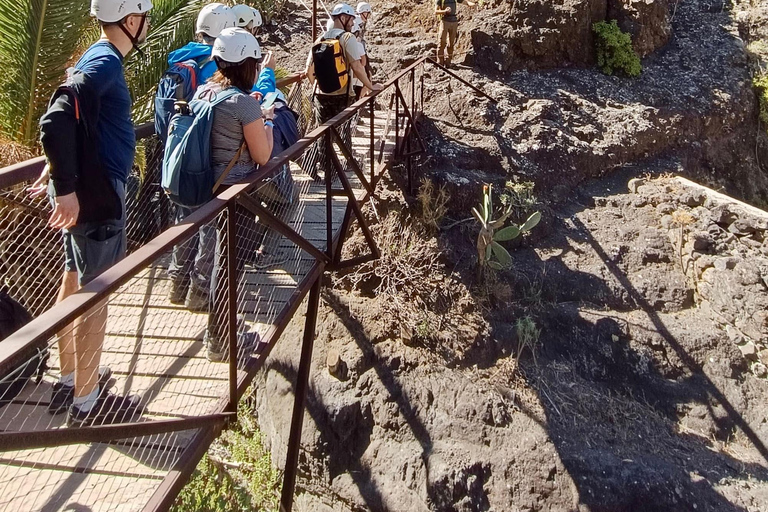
point(13, 316)
point(331, 68)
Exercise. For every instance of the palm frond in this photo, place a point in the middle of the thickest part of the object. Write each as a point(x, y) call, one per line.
point(37, 39)
point(173, 25)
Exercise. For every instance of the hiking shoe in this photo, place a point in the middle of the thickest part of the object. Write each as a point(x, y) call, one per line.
point(108, 409)
point(248, 344)
point(178, 292)
point(197, 300)
point(62, 395)
point(265, 260)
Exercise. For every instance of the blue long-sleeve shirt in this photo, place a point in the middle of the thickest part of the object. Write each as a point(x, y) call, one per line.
point(266, 82)
point(196, 51)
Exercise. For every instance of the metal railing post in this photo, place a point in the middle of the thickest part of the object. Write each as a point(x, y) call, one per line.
point(328, 142)
point(372, 156)
point(397, 117)
point(230, 240)
point(302, 383)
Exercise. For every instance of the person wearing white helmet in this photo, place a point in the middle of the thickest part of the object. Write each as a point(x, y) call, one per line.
point(240, 127)
point(328, 104)
point(247, 17)
point(189, 270)
point(212, 19)
point(87, 192)
point(357, 84)
point(365, 12)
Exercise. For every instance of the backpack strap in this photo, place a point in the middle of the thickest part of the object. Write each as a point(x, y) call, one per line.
point(229, 168)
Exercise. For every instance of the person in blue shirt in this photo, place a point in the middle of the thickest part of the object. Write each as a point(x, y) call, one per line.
point(94, 238)
point(213, 18)
point(192, 261)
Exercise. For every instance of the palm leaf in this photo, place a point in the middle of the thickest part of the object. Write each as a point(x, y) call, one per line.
point(37, 39)
point(173, 26)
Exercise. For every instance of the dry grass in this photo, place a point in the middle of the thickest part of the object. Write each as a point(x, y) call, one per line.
point(411, 286)
point(13, 153)
point(433, 202)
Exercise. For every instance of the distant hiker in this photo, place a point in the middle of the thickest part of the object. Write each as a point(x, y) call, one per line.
point(365, 12)
point(333, 56)
point(87, 189)
point(241, 134)
point(449, 28)
point(357, 84)
point(247, 18)
point(192, 261)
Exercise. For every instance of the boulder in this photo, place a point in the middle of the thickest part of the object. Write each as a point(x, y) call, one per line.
point(537, 34)
point(647, 21)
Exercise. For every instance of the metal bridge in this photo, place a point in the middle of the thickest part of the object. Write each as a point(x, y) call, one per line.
point(155, 348)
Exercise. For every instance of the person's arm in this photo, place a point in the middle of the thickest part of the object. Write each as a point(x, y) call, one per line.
point(359, 70)
point(439, 10)
point(352, 53)
point(58, 135)
point(259, 136)
point(309, 69)
point(266, 82)
point(259, 139)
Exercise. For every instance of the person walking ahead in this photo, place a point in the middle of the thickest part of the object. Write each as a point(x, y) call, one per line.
point(449, 28)
point(88, 138)
point(329, 103)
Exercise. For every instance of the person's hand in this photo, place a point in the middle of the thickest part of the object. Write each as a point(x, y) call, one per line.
point(65, 211)
point(268, 113)
point(40, 186)
point(376, 87)
point(269, 61)
point(257, 95)
point(447, 10)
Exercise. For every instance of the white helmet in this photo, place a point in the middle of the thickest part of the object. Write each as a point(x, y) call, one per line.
point(214, 18)
point(234, 45)
point(257, 22)
point(363, 7)
point(340, 9)
point(357, 25)
point(112, 11)
point(243, 14)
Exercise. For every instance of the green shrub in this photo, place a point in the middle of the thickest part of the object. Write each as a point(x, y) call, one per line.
point(761, 85)
point(236, 474)
point(614, 50)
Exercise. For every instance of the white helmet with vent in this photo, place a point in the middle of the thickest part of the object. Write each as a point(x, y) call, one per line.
point(234, 45)
point(112, 11)
point(243, 14)
point(214, 18)
point(340, 9)
point(257, 21)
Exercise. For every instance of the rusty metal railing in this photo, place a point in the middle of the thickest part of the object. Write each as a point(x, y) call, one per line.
point(155, 346)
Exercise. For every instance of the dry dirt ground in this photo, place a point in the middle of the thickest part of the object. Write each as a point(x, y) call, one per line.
point(621, 363)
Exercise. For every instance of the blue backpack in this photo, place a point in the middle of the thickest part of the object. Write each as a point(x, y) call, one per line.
point(187, 176)
point(179, 83)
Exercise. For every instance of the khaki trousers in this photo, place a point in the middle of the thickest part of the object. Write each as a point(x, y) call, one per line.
point(447, 32)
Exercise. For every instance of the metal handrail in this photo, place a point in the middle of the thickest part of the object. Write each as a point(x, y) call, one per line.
point(91, 295)
point(46, 325)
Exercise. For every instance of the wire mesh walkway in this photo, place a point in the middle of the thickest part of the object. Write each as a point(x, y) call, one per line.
point(156, 347)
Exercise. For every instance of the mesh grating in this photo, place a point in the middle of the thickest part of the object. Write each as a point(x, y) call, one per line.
point(159, 349)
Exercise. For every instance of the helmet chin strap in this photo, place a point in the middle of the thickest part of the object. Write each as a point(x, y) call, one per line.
point(135, 39)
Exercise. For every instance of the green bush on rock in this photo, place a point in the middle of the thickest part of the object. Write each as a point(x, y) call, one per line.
point(761, 85)
point(614, 50)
